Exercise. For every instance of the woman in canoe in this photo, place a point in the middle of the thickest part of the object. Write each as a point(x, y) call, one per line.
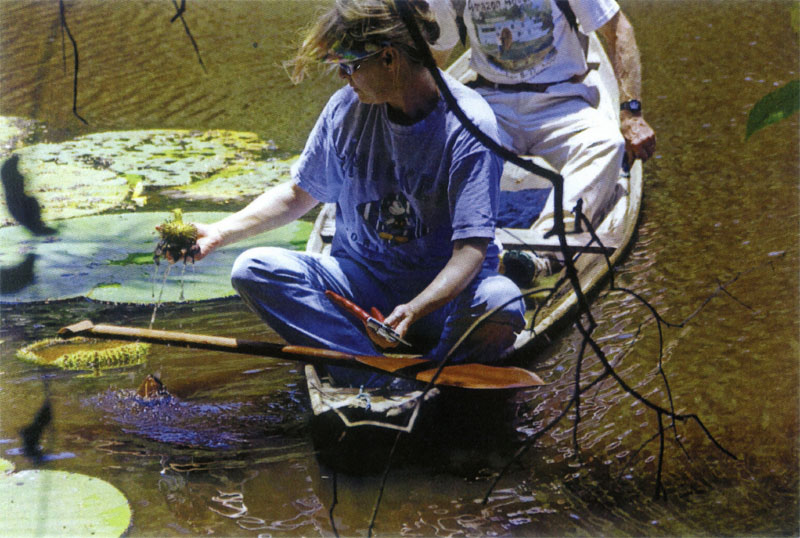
point(416, 199)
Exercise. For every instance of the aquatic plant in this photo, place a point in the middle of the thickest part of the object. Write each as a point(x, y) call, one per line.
point(84, 353)
point(178, 239)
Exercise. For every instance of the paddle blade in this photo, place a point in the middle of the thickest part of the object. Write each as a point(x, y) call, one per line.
point(483, 376)
point(468, 376)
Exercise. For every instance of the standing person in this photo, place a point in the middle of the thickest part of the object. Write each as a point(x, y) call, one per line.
point(416, 201)
point(530, 58)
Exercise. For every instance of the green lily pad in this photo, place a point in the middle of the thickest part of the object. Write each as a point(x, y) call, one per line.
point(84, 353)
point(58, 503)
point(109, 258)
point(236, 183)
point(13, 132)
point(68, 190)
point(101, 171)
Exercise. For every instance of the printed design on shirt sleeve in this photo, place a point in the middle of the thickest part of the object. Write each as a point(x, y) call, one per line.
point(515, 35)
point(394, 219)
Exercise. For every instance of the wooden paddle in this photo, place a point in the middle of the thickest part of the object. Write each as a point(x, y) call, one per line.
point(471, 376)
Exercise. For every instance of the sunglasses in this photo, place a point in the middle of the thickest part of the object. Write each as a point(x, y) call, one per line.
point(347, 68)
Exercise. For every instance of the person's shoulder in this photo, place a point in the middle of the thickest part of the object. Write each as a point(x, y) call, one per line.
point(470, 101)
point(341, 103)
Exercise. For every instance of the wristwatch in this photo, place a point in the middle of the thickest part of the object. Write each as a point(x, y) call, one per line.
point(633, 106)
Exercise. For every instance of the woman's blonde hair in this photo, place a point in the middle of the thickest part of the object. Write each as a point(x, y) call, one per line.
point(355, 23)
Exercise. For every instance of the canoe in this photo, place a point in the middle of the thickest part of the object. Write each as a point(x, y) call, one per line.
point(353, 408)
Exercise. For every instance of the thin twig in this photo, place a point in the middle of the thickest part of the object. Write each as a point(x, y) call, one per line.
point(179, 10)
point(334, 502)
point(65, 27)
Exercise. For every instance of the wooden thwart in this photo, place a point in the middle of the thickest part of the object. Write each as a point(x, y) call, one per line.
point(470, 376)
point(520, 238)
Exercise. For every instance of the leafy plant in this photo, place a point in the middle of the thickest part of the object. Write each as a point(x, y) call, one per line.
point(774, 107)
point(781, 103)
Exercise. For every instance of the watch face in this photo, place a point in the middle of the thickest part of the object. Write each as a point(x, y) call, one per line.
point(633, 105)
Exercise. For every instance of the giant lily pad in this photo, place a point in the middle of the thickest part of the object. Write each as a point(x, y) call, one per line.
point(239, 182)
point(84, 353)
point(100, 171)
point(109, 258)
point(13, 132)
point(58, 503)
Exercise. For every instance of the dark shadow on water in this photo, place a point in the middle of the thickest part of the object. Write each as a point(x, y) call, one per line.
point(465, 433)
point(16, 277)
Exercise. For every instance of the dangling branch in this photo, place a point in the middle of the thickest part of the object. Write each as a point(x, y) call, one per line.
point(179, 10)
point(584, 312)
point(65, 28)
point(334, 502)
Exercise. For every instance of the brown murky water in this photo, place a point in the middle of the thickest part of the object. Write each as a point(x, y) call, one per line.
point(233, 455)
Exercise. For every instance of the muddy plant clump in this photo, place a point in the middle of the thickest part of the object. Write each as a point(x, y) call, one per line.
point(178, 239)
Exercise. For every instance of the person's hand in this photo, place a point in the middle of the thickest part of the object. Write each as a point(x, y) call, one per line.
point(401, 319)
point(640, 139)
point(208, 239)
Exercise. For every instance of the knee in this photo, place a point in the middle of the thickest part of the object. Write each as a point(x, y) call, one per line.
point(502, 293)
point(255, 264)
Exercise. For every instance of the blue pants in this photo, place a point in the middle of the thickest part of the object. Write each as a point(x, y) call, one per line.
point(287, 290)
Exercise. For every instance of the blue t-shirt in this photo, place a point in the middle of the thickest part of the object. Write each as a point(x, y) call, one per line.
point(404, 193)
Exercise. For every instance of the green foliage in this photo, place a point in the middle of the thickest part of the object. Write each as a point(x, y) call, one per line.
point(774, 107)
point(88, 259)
point(58, 503)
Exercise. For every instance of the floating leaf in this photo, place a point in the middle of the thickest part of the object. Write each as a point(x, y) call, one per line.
point(88, 259)
point(13, 132)
point(236, 182)
point(774, 107)
point(101, 171)
point(58, 503)
point(84, 353)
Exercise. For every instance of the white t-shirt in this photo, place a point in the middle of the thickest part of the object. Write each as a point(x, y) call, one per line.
point(516, 41)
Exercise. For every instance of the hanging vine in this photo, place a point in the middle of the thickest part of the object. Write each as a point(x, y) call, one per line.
point(180, 9)
point(76, 60)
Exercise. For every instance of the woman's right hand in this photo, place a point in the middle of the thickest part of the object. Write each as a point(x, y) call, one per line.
point(208, 239)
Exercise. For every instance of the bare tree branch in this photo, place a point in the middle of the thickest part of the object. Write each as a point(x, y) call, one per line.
point(179, 10)
point(65, 28)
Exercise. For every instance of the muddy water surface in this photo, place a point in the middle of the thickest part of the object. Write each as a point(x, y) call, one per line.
point(231, 454)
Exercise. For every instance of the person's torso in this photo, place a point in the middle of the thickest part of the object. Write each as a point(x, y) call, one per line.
point(395, 194)
point(522, 41)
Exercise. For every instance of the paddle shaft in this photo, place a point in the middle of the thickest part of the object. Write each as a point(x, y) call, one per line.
point(213, 343)
point(477, 376)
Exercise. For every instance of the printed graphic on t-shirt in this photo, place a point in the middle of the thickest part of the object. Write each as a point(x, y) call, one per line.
point(515, 35)
point(394, 219)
